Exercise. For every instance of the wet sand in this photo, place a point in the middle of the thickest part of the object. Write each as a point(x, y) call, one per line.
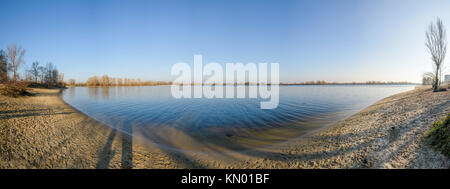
point(42, 131)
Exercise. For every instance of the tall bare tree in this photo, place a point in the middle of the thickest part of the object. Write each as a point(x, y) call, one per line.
point(34, 71)
point(42, 73)
point(436, 43)
point(51, 75)
point(15, 56)
point(3, 67)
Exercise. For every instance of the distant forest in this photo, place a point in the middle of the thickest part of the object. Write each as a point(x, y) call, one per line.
point(48, 75)
point(106, 80)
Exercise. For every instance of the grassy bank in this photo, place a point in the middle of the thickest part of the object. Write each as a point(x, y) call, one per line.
point(439, 136)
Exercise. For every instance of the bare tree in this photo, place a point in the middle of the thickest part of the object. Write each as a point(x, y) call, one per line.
point(436, 43)
point(3, 67)
point(428, 78)
point(71, 82)
point(113, 81)
point(92, 81)
point(34, 71)
point(15, 57)
point(60, 79)
point(42, 73)
point(51, 75)
point(104, 80)
point(55, 76)
point(48, 78)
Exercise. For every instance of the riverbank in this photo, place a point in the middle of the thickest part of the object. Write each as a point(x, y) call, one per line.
point(42, 131)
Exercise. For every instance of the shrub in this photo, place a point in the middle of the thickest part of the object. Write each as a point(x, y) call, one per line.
point(14, 89)
point(441, 89)
point(439, 136)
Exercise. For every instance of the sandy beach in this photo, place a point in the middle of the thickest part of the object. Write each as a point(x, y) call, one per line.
point(42, 131)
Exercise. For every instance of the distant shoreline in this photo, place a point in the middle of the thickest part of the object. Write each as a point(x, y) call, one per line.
point(247, 84)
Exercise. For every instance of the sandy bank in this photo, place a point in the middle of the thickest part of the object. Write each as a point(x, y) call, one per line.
point(44, 132)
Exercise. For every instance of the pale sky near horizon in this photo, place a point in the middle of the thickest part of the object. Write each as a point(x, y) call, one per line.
point(342, 41)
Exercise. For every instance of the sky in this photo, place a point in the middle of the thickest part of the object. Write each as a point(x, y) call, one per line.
point(340, 41)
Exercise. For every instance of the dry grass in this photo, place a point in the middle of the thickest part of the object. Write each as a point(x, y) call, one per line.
point(14, 89)
point(439, 136)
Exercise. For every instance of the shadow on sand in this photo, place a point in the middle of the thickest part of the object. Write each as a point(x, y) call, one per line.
point(108, 153)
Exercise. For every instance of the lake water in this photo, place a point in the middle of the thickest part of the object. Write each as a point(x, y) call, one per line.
point(152, 111)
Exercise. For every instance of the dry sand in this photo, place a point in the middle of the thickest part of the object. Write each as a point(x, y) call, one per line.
point(42, 131)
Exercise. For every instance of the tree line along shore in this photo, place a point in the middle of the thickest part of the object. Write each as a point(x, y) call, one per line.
point(48, 76)
point(106, 80)
point(15, 78)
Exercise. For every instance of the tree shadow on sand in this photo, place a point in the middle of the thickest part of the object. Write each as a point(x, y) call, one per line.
point(108, 153)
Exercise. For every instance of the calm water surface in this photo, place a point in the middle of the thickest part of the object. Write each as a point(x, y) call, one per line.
point(148, 109)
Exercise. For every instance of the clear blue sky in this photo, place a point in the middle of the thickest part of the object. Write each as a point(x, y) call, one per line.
point(345, 40)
